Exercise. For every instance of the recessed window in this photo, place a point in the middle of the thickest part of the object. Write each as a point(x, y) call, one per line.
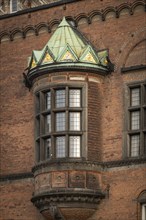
point(59, 116)
point(137, 121)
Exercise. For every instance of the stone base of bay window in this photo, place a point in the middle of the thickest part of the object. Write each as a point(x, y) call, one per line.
point(68, 204)
point(67, 190)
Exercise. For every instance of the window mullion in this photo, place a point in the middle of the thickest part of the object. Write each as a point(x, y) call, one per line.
point(67, 122)
point(52, 122)
point(42, 149)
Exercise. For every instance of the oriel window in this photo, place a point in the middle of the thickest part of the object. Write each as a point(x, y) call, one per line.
point(59, 121)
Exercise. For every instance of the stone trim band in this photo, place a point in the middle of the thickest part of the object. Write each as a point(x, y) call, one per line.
point(103, 165)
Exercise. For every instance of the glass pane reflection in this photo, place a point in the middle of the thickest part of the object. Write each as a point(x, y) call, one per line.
point(60, 98)
point(74, 146)
point(135, 120)
point(74, 120)
point(74, 98)
point(135, 96)
point(135, 142)
point(60, 146)
point(60, 121)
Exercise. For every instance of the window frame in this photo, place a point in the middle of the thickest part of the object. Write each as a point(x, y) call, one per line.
point(143, 211)
point(128, 131)
point(41, 136)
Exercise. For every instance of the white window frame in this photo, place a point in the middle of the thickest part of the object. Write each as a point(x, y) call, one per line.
point(143, 212)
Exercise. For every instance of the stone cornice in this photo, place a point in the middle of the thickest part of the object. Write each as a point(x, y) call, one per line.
point(89, 164)
point(87, 16)
point(68, 196)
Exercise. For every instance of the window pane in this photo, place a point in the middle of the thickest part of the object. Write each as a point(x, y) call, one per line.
point(60, 146)
point(48, 148)
point(74, 146)
point(135, 120)
point(134, 144)
point(60, 121)
point(74, 120)
point(48, 100)
point(48, 123)
point(60, 98)
point(74, 98)
point(135, 96)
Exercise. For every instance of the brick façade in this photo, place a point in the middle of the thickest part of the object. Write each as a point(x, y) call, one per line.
point(105, 123)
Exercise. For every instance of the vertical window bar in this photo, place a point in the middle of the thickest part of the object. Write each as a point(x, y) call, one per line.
point(48, 148)
point(38, 151)
point(37, 122)
point(145, 143)
point(145, 94)
point(37, 105)
point(48, 123)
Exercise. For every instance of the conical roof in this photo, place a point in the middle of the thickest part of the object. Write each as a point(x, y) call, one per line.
point(67, 44)
point(67, 49)
point(63, 36)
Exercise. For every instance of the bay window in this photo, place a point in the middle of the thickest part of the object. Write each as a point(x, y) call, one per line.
point(59, 123)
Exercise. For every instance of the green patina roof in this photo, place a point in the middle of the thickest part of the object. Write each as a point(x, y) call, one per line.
point(67, 45)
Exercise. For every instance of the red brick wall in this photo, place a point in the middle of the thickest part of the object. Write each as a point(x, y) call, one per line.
point(120, 36)
point(15, 201)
